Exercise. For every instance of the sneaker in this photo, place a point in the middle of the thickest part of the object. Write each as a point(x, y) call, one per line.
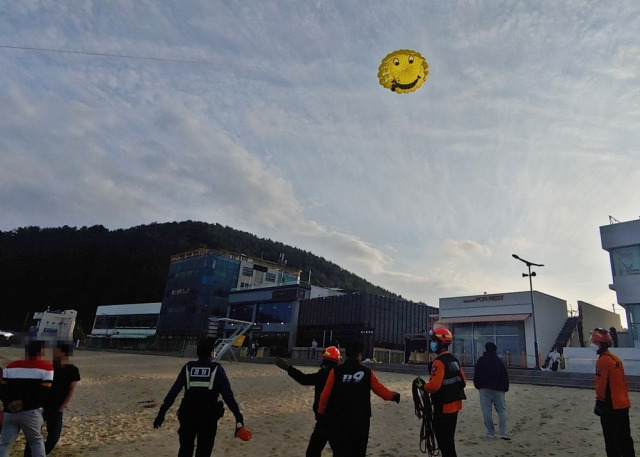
point(486, 435)
point(506, 438)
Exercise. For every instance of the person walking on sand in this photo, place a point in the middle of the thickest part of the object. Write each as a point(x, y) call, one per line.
point(330, 359)
point(345, 403)
point(612, 397)
point(65, 378)
point(446, 387)
point(491, 379)
point(25, 384)
point(203, 380)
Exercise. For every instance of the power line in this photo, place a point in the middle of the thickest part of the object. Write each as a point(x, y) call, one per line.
point(119, 56)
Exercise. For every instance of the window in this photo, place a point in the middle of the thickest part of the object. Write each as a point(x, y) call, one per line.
point(247, 271)
point(274, 313)
point(626, 261)
point(469, 340)
point(271, 277)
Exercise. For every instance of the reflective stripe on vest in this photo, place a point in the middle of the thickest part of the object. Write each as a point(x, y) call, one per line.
point(207, 384)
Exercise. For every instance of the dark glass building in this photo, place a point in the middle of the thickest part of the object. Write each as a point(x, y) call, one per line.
point(375, 320)
point(197, 288)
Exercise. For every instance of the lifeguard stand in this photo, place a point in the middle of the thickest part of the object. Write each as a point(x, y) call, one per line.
point(234, 340)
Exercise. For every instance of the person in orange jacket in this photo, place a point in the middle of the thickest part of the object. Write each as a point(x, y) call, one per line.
point(446, 387)
point(344, 408)
point(612, 397)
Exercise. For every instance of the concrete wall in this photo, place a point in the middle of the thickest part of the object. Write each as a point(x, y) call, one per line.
point(596, 317)
point(583, 360)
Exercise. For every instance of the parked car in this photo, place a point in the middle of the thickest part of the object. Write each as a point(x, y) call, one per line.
point(6, 338)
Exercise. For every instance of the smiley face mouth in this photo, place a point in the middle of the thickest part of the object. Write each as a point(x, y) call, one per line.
point(396, 85)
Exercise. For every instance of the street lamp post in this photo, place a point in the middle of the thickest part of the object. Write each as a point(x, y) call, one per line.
point(533, 312)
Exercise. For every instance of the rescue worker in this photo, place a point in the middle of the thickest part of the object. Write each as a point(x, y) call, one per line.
point(200, 409)
point(330, 359)
point(344, 407)
point(446, 387)
point(612, 397)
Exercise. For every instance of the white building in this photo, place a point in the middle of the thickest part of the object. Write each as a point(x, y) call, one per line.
point(54, 325)
point(124, 325)
point(622, 241)
point(507, 319)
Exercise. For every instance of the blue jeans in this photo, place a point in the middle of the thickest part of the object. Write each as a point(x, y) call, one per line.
point(495, 398)
point(53, 421)
point(31, 423)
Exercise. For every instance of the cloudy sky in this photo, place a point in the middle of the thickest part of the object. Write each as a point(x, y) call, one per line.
point(268, 116)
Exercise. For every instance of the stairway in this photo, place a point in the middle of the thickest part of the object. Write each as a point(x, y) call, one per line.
point(565, 334)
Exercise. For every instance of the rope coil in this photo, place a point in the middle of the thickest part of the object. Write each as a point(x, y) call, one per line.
point(424, 411)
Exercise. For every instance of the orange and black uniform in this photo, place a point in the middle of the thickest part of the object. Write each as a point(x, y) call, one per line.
point(319, 437)
point(346, 403)
point(612, 403)
point(446, 387)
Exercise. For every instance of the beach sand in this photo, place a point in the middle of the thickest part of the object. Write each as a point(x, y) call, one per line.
point(118, 397)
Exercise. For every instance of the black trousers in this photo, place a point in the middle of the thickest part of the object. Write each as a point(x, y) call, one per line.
point(200, 428)
point(317, 441)
point(350, 439)
point(617, 433)
point(444, 428)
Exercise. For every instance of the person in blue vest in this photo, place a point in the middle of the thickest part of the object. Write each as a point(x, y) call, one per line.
point(203, 380)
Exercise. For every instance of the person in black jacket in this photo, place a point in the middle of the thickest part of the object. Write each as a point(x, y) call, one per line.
point(203, 380)
point(491, 379)
point(330, 359)
point(345, 403)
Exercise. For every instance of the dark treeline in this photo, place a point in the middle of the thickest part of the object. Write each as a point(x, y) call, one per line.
point(83, 268)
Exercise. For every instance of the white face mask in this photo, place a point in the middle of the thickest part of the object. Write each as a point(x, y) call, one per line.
point(595, 347)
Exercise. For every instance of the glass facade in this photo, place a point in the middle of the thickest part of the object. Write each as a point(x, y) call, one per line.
point(274, 313)
point(626, 261)
point(197, 288)
point(469, 340)
point(129, 321)
point(241, 312)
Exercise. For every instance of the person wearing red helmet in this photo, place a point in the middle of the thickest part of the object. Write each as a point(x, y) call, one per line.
point(331, 357)
point(612, 397)
point(446, 387)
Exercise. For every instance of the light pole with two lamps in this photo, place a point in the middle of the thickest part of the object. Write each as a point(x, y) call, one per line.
point(533, 312)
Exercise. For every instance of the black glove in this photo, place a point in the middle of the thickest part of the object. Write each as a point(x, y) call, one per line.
point(240, 419)
point(282, 363)
point(598, 409)
point(157, 423)
point(396, 397)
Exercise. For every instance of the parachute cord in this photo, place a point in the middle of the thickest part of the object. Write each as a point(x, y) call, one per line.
point(424, 411)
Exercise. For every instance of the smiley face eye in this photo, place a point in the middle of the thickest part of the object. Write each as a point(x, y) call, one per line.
point(410, 59)
point(396, 61)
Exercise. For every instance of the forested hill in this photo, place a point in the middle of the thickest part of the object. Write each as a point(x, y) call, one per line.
point(82, 268)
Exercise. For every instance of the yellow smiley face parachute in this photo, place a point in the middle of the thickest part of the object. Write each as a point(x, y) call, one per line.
point(403, 71)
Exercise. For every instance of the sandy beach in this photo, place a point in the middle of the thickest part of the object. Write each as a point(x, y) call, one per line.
point(114, 406)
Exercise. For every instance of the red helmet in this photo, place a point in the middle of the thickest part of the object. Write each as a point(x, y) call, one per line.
point(600, 335)
point(243, 433)
point(442, 335)
point(332, 353)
